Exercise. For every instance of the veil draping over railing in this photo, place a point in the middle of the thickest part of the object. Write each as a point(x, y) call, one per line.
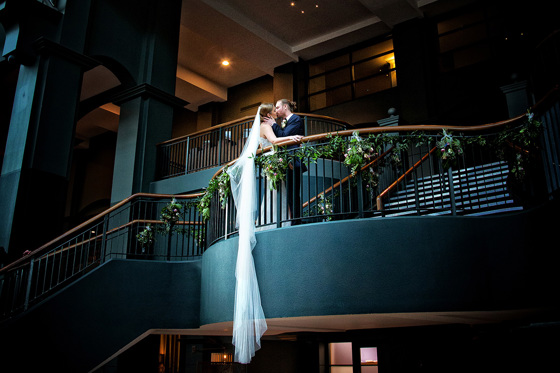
point(248, 320)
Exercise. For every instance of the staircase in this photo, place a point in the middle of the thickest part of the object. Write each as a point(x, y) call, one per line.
point(477, 190)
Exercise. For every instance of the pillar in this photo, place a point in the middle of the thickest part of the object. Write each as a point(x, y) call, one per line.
point(40, 138)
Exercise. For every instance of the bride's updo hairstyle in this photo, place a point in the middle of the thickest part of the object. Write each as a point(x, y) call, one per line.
point(291, 104)
point(265, 109)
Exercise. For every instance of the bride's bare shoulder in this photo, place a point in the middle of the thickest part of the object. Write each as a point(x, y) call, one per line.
point(266, 128)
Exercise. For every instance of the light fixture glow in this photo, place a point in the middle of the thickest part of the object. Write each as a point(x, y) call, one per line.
point(225, 62)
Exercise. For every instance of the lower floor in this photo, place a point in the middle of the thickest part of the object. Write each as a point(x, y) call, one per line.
point(504, 347)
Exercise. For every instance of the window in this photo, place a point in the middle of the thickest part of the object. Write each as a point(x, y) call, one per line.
point(368, 359)
point(340, 358)
point(355, 74)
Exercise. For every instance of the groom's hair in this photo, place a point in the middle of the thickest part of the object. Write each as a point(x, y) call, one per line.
point(291, 104)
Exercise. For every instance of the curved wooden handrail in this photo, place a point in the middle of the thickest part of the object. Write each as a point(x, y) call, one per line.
point(378, 130)
point(248, 118)
point(93, 220)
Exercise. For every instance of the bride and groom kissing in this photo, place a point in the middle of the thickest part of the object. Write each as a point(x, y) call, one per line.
point(291, 128)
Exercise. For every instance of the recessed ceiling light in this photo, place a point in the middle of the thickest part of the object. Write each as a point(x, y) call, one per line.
point(225, 62)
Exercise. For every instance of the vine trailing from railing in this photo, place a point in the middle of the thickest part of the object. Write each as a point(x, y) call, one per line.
point(146, 237)
point(274, 165)
point(360, 153)
point(170, 215)
point(219, 184)
point(523, 140)
point(450, 148)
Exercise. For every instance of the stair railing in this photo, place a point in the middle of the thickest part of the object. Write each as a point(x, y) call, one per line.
point(114, 234)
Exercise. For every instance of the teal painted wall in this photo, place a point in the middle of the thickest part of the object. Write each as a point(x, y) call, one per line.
point(407, 264)
point(113, 306)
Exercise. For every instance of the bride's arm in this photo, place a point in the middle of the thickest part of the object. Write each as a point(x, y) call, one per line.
point(267, 131)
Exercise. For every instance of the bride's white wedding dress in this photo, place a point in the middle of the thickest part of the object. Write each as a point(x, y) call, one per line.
point(249, 323)
point(268, 216)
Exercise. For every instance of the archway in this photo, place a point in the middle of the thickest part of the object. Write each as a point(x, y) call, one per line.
point(95, 142)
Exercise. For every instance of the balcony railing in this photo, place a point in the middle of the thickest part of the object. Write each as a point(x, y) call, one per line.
point(488, 176)
point(112, 234)
point(222, 144)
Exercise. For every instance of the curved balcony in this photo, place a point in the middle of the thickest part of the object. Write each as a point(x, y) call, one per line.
point(399, 171)
point(450, 223)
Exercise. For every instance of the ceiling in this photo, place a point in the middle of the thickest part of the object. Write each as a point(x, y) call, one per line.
point(257, 36)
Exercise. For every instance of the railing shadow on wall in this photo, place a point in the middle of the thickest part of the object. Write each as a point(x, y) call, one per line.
point(222, 144)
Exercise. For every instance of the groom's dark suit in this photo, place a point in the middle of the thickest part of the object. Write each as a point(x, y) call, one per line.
point(293, 127)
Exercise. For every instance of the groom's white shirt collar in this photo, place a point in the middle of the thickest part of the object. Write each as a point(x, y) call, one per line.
point(289, 116)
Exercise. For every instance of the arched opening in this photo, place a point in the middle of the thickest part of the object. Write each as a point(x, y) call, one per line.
point(94, 147)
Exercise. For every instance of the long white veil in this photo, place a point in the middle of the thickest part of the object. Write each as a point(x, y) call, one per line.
point(248, 319)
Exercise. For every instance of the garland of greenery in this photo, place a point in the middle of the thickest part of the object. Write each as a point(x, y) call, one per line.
point(358, 151)
point(146, 236)
point(514, 144)
point(219, 184)
point(274, 165)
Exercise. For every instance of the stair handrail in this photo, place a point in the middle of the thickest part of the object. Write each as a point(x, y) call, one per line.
point(90, 221)
point(379, 199)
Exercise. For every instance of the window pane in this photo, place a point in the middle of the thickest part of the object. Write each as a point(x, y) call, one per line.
point(336, 96)
point(317, 102)
point(368, 355)
point(375, 66)
point(341, 369)
point(340, 353)
point(330, 80)
point(332, 97)
point(375, 84)
point(373, 50)
point(317, 84)
point(328, 65)
point(369, 369)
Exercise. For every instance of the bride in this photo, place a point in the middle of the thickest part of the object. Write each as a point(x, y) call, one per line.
point(249, 322)
point(269, 203)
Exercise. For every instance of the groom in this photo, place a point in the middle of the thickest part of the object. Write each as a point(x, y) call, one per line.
point(291, 125)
